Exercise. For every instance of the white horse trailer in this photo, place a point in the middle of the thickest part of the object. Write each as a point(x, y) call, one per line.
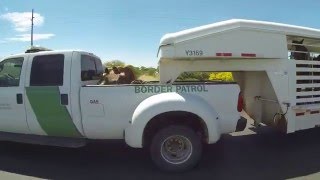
point(279, 88)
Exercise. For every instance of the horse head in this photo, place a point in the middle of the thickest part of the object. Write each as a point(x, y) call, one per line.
point(303, 53)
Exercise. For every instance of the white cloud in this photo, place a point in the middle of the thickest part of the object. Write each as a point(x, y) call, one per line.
point(22, 21)
point(27, 37)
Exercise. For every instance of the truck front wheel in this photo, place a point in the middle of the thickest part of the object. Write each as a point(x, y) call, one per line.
point(176, 148)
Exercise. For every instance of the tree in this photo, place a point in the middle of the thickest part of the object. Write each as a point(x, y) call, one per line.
point(194, 76)
point(221, 76)
point(151, 71)
point(206, 76)
point(143, 71)
point(116, 63)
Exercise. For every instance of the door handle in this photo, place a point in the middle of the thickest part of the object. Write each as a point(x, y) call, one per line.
point(64, 99)
point(19, 99)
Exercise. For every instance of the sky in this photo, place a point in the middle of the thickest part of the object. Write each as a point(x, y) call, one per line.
point(130, 30)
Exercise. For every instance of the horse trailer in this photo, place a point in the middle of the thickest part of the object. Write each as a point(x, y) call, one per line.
point(276, 65)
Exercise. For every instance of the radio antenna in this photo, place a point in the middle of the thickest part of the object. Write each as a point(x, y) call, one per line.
point(32, 29)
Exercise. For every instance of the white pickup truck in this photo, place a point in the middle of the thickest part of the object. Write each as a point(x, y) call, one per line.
point(51, 98)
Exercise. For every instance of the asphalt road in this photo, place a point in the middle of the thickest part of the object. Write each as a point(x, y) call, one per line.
point(246, 155)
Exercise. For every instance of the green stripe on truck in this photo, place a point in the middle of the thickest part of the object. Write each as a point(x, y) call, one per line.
point(53, 117)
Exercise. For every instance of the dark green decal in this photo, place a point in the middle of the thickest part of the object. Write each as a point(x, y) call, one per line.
point(53, 117)
point(155, 89)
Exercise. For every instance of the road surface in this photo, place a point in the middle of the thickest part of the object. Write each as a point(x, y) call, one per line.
point(246, 155)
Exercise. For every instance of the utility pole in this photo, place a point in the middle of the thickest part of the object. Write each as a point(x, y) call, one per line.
point(32, 29)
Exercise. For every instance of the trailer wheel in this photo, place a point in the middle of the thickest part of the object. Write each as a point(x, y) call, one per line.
point(176, 148)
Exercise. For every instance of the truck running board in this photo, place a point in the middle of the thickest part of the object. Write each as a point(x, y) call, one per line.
point(43, 140)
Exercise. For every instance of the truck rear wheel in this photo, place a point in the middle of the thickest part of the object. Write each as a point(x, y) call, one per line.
point(176, 148)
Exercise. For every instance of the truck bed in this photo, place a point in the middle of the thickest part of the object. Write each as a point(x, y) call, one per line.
point(107, 110)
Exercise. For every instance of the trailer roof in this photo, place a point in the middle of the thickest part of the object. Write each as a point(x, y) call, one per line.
point(286, 29)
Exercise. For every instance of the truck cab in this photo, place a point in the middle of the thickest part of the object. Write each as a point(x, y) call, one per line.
point(39, 92)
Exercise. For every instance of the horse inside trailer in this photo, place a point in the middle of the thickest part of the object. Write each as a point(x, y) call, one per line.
point(277, 67)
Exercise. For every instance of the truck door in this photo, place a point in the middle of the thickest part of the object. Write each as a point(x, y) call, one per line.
point(12, 105)
point(48, 93)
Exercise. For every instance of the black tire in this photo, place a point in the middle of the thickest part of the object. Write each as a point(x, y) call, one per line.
point(158, 148)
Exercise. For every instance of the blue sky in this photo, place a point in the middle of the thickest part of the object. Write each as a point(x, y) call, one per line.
point(131, 30)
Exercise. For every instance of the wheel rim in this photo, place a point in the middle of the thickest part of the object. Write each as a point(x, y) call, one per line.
point(176, 149)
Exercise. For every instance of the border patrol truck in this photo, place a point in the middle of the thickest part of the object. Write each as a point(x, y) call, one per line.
point(51, 97)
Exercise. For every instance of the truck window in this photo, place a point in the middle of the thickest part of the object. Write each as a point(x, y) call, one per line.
point(91, 68)
point(10, 70)
point(47, 70)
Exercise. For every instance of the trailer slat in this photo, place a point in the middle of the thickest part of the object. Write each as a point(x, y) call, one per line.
point(308, 93)
point(308, 69)
point(300, 108)
point(307, 100)
point(307, 62)
point(308, 77)
point(303, 86)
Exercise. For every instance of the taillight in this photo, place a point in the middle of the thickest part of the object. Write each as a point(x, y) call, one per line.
point(240, 102)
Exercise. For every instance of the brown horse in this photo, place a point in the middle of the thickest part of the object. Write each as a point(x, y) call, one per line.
point(126, 76)
point(317, 58)
point(303, 53)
